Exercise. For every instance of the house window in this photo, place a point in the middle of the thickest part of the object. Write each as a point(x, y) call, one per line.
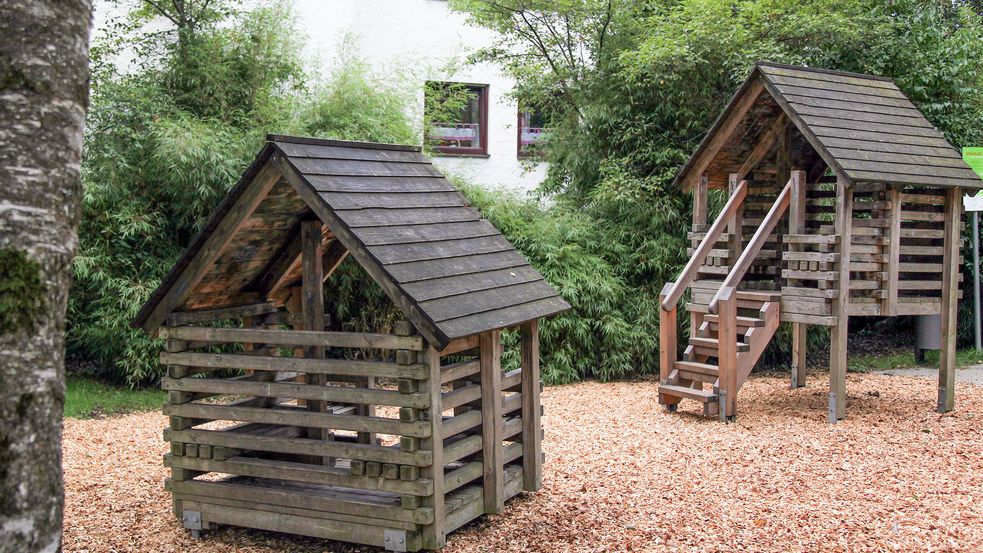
point(532, 126)
point(457, 118)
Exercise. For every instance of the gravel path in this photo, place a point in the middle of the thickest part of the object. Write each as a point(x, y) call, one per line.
point(622, 475)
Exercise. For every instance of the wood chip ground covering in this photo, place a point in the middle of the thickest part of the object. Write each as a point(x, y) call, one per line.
point(622, 475)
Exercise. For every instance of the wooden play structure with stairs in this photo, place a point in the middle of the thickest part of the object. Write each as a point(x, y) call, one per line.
point(843, 200)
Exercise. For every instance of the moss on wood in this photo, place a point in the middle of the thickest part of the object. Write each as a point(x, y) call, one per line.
point(22, 297)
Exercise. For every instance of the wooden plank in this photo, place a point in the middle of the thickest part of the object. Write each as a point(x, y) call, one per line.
point(300, 472)
point(300, 446)
point(491, 421)
point(456, 371)
point(340, 167)
point(435, 268)
point(700, 201)
point(335, 394)
point(387, 200)
point(872, 81)
point(844, 105)
point(482, 301)
point(441, 287)
point(337, 367)
point(866, 139)
point(950, 301)
point(667, 343)
point(413, 234)
point(838, 334)
point(405, 253)
point(236, 312)
point(819, 239)
point(900, 175)
point(866, 116)
point(294, 337)
point(809, 82)
point(409, 216)
point(532, 432)
point(300, 496)
point(296, 417)
point(808, 319)
point(504, 318)
point(459, 345)
point(324, 151)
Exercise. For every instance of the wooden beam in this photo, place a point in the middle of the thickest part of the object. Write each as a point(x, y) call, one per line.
point(950, 301)
point(204, 315)
point(667, 344)
point(532, 431)
point(334, 254)
point(797, 225)
point(700, 203)
point(763, 147)
point(727, 352)
point(490, 358)
point(213, 246)
point(723, 130)
point(840, 310)
point(312, 305)
point(736, 225)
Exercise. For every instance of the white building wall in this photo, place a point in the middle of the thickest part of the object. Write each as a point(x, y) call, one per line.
point(415, 41)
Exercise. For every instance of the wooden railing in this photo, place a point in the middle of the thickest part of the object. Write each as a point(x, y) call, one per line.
point(674, 291)
point(761, 235)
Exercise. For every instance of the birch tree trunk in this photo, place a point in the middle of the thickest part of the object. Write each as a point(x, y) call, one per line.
point(44, 71)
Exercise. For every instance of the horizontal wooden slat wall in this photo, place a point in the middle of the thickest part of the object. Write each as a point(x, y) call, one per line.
point(371, 472)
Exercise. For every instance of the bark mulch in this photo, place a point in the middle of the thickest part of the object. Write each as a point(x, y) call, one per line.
point(622, 475)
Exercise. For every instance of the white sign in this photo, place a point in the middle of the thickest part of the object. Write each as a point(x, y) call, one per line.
point(973, 203)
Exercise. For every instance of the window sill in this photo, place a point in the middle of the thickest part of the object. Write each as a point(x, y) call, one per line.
point(462, 154)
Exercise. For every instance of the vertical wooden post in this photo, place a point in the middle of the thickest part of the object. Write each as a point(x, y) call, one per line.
point(434, 535)
point(700, 203)
point(312, 300)
point(532, 428)
point(490, 362)
point(736, 225)
point(889, 305)
point(727, 352)
point(178, 423)
point(841, 305)
point(950, 303)
point(797, 225)
point(667, 340)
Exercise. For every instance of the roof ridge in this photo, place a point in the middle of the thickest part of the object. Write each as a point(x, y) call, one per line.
point(340, 143)
point(823, 70)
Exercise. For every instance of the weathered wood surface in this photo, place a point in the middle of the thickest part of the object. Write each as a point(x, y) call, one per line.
point(950, 287)
point(853, 121)
point(532, 428)
point(294, 337)
point(336, 367)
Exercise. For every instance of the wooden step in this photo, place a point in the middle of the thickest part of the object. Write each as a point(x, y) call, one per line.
point(743, 322)
point(687, 393)
point(712, 343)
point(700, 368)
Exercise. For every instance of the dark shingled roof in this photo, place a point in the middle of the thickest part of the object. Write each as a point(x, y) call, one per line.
point(861, 125)
point(450, 271)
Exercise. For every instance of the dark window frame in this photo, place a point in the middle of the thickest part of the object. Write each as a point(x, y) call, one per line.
point(482, 151)
point(519, 153)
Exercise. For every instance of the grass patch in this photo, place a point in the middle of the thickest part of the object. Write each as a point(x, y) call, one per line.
point(906, 359)
point(87, 398)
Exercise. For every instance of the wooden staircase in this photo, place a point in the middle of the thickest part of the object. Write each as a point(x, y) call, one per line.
point(751, 330)
point(729, 333)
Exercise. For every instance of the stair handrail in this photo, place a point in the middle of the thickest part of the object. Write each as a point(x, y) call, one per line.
point(692, 267)
point(761, 235)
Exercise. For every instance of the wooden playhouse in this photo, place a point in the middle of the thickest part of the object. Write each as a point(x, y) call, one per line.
point(844, 201)
point(414, 435)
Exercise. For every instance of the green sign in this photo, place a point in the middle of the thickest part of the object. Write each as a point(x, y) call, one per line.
point(974, 158)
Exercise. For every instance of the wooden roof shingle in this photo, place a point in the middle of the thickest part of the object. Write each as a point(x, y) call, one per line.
point(863, 126)
point(451, 272)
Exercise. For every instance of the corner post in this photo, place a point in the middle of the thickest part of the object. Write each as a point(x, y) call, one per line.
point(532, 431)
point(797, 225)
point(667, 344)
point(841, 305)
point(435, 534)
point(490, 363)
point(950, 290)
